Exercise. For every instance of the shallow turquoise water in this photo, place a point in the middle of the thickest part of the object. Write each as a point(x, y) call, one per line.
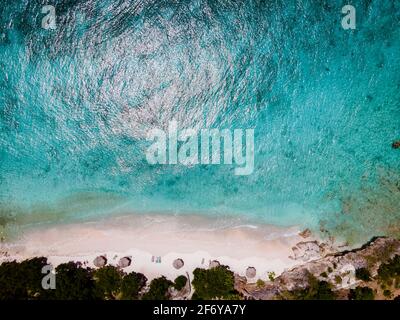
point(77, 101)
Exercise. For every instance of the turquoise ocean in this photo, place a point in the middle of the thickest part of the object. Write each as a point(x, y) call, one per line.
point(76, 103)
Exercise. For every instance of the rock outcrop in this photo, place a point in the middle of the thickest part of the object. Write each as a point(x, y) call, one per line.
point(305, 233)
point(306, 250)
point(338, 269)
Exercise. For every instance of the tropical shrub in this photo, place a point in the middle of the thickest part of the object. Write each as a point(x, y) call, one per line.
point(108, 281)
point(260, 283)
point(158, 289)
point(180, 282)
point(390, 271)
point(22, 280)
point(363, 274)
point(131, 285)
point(213, 283)
point(361, 293)
point(316, 290)
point(73, 282)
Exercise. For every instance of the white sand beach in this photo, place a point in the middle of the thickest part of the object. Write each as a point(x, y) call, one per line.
point(197, 240)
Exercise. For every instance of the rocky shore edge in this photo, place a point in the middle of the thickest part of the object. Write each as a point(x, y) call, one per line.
point(369, 272)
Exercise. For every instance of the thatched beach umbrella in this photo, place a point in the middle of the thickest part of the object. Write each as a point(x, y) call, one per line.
point(178, 263)
point(100, 261)
point(124, 262)
point(214, 264)
point(251, 272)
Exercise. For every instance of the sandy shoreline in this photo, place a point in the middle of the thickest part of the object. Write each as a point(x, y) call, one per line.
point(195, 239)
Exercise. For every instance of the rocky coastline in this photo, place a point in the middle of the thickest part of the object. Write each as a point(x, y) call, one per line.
point(340, 271)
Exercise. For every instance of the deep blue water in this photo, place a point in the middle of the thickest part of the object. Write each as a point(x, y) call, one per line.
point(76, 103)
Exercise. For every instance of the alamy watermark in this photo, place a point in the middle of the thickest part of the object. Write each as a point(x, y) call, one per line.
point(49, 20)
point(349, 20)
point(182, 146)
point(49, 280)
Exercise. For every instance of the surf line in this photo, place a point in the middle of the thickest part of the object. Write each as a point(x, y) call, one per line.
point(182, 146)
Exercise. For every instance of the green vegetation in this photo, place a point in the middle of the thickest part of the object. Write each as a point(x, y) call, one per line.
point(158, 289)
point(387, 293)
point(324, 275)
point(363, 274)
point(108, 281)
point(74, 283)
point(131, 285)
point(338, 279)
point(361, 293)
point(271, 276)
point(213, 283)
point(22, 280)
point(390, 272)
point(317, 290)
point(180, 282)
point(260, 283)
